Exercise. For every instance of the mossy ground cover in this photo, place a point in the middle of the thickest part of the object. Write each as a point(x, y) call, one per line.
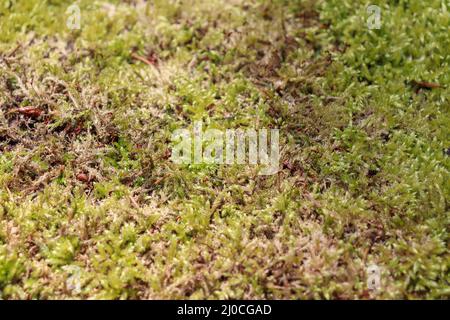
point(91, 206)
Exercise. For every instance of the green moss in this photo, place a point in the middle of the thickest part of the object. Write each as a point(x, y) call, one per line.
point(92, 207)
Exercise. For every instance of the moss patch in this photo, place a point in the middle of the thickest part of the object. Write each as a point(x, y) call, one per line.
point(92, 207)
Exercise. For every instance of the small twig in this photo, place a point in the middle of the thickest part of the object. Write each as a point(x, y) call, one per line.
point(144, 60)
point(30, 111)
point(426, 85)
point(13, 51)
point(133, 202)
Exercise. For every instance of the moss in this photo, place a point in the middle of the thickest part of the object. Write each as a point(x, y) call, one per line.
point(92, 207)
